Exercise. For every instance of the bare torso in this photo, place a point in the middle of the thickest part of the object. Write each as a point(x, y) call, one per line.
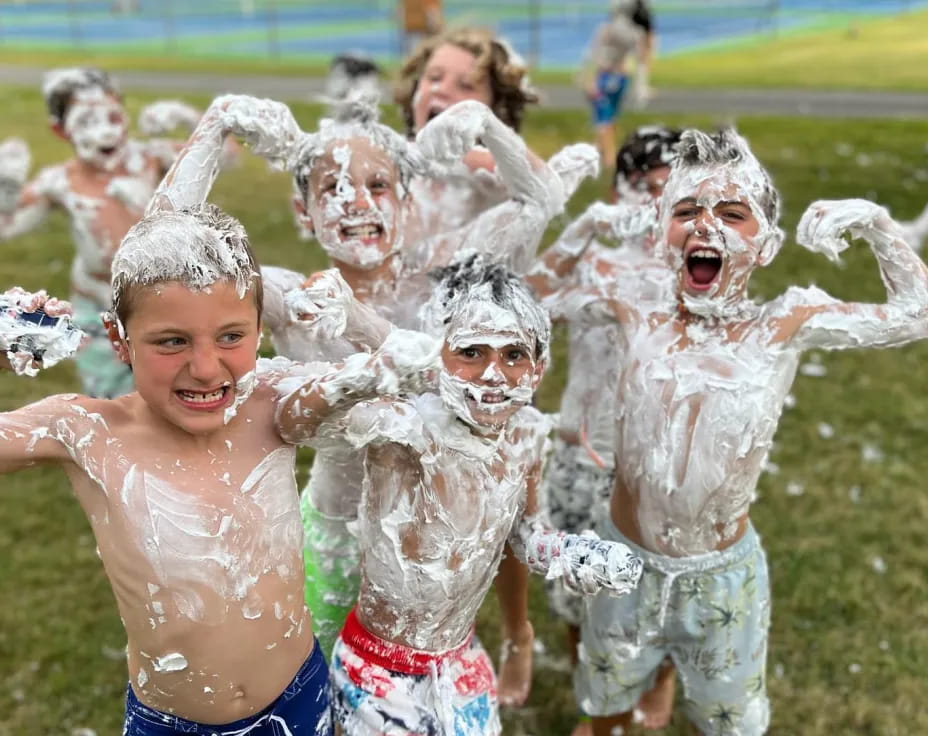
point(202, 546)
point(699, 406)
point(439, 504)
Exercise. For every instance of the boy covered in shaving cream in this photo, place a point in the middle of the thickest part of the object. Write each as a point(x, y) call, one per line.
point(352, 179)
point(448, 477)
point(104, 190)
point(700, 396)
point(188, 482)
point(580, 474)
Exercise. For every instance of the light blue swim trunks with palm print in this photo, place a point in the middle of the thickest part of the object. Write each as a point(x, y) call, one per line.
point(709, 613)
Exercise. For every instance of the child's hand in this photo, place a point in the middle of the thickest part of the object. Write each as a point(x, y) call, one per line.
point(826, 221)
point(27, 301)
point(164, 116)
point(267, 126)
point(325, 302)
point(408, 361)
point(452, 134)
point(15, 161)
point(573, 164)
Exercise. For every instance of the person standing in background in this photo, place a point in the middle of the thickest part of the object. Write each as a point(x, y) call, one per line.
point(420, 19)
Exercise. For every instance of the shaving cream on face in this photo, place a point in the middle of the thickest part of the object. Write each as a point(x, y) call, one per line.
point(356, 207)
point(709, 186)
point(97, 126)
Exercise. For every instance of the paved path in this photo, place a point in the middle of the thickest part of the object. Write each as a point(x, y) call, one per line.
point(719, 102)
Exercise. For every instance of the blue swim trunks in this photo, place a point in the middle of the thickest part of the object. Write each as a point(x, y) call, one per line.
point(304, 707)
point(610, 88)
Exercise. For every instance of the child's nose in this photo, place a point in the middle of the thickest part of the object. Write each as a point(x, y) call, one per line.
point(204, 363)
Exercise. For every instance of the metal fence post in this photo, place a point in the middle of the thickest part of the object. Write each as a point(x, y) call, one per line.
point(74, 24)
point(273, 40)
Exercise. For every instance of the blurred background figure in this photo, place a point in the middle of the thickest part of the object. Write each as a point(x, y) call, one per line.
point(628, 32)
point(419, 19)
point(353, 72)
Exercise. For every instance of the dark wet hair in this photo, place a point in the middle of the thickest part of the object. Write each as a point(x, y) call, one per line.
point(649, 147)
point(726, 146)
point(456, 281)
point(354, 64)
point(61, 84)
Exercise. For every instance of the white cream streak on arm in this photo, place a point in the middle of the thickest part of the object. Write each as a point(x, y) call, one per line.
point(32, 434)
point(584, 562)
point(510, 231)
point(23, 208)
point(405, 361)
point(328, 308)
point(832, 324)
point(614, 222)
point(266, 125)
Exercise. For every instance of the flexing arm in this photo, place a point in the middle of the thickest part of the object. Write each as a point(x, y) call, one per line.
point(511, 231)
point(406, 361)
point(267, 126)
point(22, 208)
point(831, 324)
point(614, 222)
point(326, 303)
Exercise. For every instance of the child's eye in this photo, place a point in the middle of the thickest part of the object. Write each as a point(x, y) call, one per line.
point(515, 355)
point(231, 338)
point(171, 343)
point(685, 213)
point(466, 86)
point(378, 186)
point(469, 352)
point(733, 215)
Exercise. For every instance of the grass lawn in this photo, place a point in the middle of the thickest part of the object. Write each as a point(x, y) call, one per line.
point(869, 54)
point(849, 644)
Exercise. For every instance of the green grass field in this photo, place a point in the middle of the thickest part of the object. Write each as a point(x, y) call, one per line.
point(849, 645)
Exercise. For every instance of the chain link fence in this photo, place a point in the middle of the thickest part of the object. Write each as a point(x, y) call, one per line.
point(550, 33)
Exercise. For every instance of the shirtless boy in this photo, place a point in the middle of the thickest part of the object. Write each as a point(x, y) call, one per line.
point(700, 396)
point(104, 190)
point(448, 477)
point(189, 486)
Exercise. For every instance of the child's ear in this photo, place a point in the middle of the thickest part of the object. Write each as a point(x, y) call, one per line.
point(770, 246)
point(303, 218)
point(116, 340)
point(539, 373)
point(58, 129)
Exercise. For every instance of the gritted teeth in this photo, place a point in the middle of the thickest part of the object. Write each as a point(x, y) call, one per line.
point(362, 232)
point(203, 397)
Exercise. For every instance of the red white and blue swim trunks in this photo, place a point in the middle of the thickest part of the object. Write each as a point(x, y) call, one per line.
point(381, 687)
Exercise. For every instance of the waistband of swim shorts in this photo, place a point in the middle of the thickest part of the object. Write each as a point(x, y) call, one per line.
point(708, 562)
point(393, 656)
point(315, 660)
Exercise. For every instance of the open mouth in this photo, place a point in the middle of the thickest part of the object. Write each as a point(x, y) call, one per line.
point(703, 266)
point(367, 232)
point(435, 111)
point(204, 400)
point(108, 150)
point(488, 400)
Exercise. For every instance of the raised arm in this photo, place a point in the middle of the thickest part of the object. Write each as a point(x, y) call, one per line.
point(553, 268)
point(329, 309)
point(22, 207)
point(267, 126)
point(510, 231)
point(819, 321)
point(406, 361)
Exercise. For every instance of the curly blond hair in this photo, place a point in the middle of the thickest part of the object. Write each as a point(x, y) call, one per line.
point(496, 61)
